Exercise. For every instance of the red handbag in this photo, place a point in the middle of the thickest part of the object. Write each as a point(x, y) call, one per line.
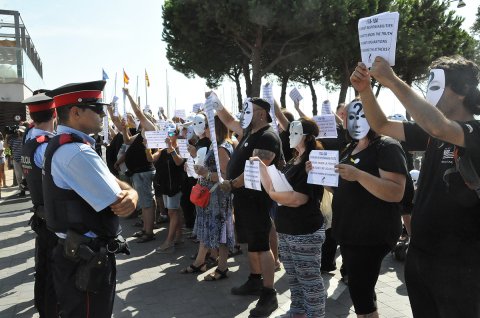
point(200, 195)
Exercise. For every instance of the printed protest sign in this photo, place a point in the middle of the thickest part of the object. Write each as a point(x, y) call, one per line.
point(183, 148)
point(251, 175)
point(209, 108)
point(156, 139)
point(323, 172)
point(326, 125)
point(295, 95)
point(267, 94)
point(326, 108)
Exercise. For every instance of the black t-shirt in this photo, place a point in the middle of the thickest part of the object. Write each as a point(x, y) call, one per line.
point(441, 226)
point(204, 142)
point(135, 157)
point(168, 176)
point(360, 218)
point(266, 139)
point(307, 218)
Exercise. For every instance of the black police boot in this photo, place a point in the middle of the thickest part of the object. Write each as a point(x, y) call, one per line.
point(253, 286)
point(266, 304)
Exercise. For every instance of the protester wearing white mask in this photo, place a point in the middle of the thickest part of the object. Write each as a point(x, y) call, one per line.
point(300, 225)
point(251, 208)
point(445, 244)
point(366, 219)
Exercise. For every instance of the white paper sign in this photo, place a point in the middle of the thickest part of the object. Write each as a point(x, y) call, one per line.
point(197, 107)
point(327, 126)
point(190, 170)
point(209, 108)
point(251, 175)
point(156, 139)
point(267, 94)
point(105, 125)
point(326, 108)
point(279, 181)
point(378, 37)
point(323, 172)
point(124, 105)
point(183, 148)
point(180, 113)
point(295, 95)
point(115, 105)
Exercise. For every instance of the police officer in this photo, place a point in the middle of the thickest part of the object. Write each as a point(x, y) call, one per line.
point(42, 112)
point(83, 201)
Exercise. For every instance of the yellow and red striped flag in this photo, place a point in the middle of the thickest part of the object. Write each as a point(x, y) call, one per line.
point(146, 79)
point(126, 79)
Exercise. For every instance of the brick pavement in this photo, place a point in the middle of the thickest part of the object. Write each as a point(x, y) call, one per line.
point(149, 284)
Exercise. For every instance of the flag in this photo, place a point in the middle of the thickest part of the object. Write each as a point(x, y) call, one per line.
point(146, 79)
point(126, 79)
point(104, 75)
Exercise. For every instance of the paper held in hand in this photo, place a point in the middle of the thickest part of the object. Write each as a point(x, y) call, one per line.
point(197, 107)
point(295, 95)
point(326, 108)
point(323, 172)
point(190, 169)
point(180, 113)
point(251, 175)
point(182, 148)
point(156, 139)
point(267, 94)
point(378, 37)
point(327, 126)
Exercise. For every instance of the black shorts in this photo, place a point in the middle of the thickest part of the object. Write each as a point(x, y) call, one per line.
point(252, 221)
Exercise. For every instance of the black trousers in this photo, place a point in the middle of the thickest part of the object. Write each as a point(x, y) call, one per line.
point(44, 292)
point(329, 250)
point(188, 208)
point(362, 265)
point(74, 303)
point(443, 287)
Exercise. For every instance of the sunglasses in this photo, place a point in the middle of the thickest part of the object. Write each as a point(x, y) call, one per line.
point(97, 108)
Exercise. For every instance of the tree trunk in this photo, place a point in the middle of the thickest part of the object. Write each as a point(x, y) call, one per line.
point(239, 91)
point(343, 92)
point(256, 73)
point(248, 79)
point(314, 98)
point(284, 91)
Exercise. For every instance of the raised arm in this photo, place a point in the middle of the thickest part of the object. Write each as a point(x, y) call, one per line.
point(299, 111)
point(376, 118)
point(281, 119)
point(146, 124)
point(427, 116)
point(115, 119)
point(226, 118)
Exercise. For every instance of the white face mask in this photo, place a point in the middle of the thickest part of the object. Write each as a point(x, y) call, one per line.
point(199, 124)
point(247, 114)
point(357, 124)
point(296, 133)
point(436, 86)
point(190, 132)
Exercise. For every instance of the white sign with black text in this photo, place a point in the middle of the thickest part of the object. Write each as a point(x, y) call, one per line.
point(251, 175)
point(326, 125)
point(323, 172)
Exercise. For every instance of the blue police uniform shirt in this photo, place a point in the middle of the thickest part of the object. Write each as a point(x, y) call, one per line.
point(40, 152)
point(77, 167)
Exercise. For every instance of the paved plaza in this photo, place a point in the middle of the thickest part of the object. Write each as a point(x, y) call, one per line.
point(150, 285)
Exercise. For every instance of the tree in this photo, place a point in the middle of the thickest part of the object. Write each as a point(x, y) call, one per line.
point(261, 26)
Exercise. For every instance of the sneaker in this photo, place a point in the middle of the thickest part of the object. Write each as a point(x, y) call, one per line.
point(266, 304)
point(253, 286)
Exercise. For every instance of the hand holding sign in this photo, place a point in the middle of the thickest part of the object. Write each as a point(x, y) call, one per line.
point(295, 95)
point(323, 168)
point(251, 175)
point(378, 37)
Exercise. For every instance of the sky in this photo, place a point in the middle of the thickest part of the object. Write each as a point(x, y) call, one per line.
point(76, 39)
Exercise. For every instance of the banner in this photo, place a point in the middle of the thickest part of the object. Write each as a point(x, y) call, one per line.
point(209, 108)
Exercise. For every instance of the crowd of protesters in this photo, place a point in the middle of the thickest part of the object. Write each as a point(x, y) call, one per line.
point(300, 228)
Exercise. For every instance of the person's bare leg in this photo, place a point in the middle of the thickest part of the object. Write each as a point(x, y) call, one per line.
point(202, 253)
point(172, 228)
point(267, 267)
point(274, 244)
point(254, 263)
point(222, 257)
point(148, 217)
point(407, 221)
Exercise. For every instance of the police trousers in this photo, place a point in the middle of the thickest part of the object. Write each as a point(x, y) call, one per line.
point(75, 303)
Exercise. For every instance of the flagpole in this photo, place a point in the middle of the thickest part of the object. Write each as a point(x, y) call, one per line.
point(146, 90)
point(136, 92)
point(168, 94)
point(124, 97)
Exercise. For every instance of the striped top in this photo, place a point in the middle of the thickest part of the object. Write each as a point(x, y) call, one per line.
point(16, 146)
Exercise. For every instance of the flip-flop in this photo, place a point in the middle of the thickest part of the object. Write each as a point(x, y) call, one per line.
point(211, 277)
point(146, 238)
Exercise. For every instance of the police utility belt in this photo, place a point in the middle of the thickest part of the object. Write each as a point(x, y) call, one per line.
point(94, 256)
point(77, 246)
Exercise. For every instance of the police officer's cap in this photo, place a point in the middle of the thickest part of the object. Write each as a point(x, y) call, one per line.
point(39, 102)
point(88, 93)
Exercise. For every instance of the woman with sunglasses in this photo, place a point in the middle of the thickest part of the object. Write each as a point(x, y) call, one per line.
point(299, 224)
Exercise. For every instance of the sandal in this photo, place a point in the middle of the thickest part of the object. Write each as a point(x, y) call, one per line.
point(194, 269)
point(212, 277)
point(146, 238)
point(139, 233)
point(211, 262)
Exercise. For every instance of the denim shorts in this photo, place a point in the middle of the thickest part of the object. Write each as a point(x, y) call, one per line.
point(173, 202)
point(143, 184)
point(2, 160)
